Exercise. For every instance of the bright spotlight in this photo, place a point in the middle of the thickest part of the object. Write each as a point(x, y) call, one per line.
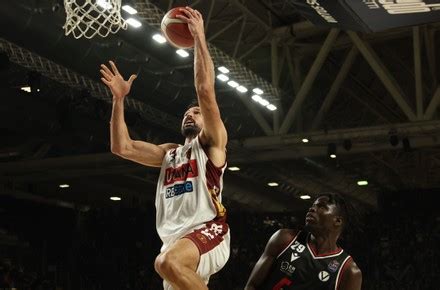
point(223, 69)
point(133, 22)
point(182, 53)
point(159, 38)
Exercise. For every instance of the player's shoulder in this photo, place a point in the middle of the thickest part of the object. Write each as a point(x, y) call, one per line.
point(283, 234)
point(353, 269)
point(280, 240)
point(352, 277)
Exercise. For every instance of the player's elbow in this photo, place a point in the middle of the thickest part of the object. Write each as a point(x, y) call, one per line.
point(117, 150)
point(120, 150)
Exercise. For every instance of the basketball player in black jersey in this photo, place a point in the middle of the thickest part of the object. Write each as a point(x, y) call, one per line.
point(309, 259)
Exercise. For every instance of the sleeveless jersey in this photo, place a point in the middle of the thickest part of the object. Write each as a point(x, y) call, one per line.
point(188, 192)
point(299, 268)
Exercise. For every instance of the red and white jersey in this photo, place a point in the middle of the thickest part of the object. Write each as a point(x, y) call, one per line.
point(188, 192)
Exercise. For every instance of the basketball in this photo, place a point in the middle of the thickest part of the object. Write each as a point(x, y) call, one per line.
point(175, 30)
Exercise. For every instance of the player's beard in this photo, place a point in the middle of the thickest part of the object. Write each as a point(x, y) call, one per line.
point(190, 131)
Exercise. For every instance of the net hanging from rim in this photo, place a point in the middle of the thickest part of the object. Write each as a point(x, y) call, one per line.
point(87, 18)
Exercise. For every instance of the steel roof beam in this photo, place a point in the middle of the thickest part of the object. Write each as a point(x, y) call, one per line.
point(433, 105)
point(251, 15)
point(429, 33)
point(298, 30)
point(383, 74)
point(308, 81)
point(334, 89)
point(418, 71)
point(152, 15)
point(308, 151)
point(361, 133)
point(63, 75)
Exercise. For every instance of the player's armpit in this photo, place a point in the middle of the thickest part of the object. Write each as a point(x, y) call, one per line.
point(215, 154)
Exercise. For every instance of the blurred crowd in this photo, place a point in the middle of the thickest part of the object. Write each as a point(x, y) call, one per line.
point(114, 248)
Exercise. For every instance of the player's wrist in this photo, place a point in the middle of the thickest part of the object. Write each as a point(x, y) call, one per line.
point(118, 99)
point(199, 37)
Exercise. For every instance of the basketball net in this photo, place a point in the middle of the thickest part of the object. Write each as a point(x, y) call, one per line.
point(87, 18)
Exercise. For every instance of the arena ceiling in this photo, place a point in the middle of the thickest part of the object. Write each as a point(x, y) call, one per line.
point(330, 86)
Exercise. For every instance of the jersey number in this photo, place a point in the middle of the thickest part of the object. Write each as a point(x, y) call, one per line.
point(283, 282)
point(298, 247)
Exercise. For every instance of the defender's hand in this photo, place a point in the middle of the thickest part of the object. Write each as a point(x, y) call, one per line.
point(116, 83)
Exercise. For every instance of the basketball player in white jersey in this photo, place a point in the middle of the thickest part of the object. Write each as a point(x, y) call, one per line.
point(190, 218)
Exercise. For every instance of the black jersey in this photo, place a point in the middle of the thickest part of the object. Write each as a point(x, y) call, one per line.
point(299, 268)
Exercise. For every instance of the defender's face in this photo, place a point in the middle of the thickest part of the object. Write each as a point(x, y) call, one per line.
point(322, 215)
point(192, 122)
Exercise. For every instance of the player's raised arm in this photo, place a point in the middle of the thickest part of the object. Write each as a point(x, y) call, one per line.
point(121, 144)
point(274, 247)
point(213, 133)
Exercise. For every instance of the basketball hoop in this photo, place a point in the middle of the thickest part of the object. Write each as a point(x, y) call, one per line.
point(87, 18)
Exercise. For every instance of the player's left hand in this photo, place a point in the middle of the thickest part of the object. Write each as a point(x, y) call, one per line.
point(194, 19)
point(114, 80)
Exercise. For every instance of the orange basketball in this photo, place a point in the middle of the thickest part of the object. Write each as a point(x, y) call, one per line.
point(175, 30)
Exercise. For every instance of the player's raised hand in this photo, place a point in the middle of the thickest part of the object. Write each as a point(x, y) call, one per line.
point(194, 19)
point(114, 80)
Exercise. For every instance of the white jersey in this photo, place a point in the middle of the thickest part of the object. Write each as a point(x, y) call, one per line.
point(188, 192)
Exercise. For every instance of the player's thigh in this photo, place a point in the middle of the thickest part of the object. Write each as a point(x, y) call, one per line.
point(184, 253)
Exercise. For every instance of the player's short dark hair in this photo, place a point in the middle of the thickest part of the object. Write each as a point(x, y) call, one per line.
point(192, 104)
point(345, 208)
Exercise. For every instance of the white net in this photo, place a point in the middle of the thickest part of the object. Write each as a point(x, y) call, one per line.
point(87, 18)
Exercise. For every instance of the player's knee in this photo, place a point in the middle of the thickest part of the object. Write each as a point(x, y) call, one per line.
point(167, 265)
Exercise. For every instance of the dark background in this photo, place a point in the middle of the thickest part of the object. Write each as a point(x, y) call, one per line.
point(77, 238)
point(113, 247)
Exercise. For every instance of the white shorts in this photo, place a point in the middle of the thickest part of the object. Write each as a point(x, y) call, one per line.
point(211, 262)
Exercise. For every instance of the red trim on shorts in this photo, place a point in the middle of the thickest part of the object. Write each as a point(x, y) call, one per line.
point(208, 237)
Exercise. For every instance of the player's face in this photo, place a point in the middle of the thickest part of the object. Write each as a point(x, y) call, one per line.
point(322, 215)
point(192, 122)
